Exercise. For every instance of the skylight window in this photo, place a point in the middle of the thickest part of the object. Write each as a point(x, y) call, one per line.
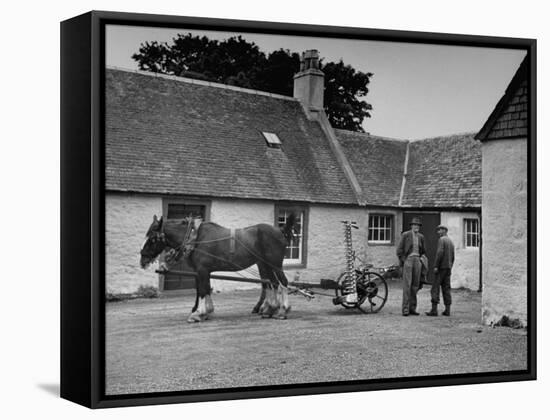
point(272, 140)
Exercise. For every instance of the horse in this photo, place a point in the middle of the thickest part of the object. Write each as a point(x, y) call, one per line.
point(209, 247)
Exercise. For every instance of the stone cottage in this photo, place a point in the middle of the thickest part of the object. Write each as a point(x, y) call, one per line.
point(505, 145)
point(177, 146)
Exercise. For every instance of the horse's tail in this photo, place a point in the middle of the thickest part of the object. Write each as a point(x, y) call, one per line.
point(288, 228)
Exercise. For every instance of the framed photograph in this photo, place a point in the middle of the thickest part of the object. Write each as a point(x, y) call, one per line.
point(254, 209)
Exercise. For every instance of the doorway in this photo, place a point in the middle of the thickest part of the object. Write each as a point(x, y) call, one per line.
point(178, 209)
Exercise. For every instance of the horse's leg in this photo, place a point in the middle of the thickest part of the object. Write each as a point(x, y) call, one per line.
point(283, 293)
point(203, 288)
point(196, 296)
point(256, 308)
point(270, 303)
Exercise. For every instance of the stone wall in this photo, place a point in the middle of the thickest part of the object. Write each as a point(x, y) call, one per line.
point(466, 267)
point(504, 228)
point(127, 218)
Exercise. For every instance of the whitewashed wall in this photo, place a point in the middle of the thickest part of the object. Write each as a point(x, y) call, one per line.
point(465, 271)
point(504, 175)
point(127, 219)
point(129, 215)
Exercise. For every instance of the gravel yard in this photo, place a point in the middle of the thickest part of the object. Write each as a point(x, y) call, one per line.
point(151, 348)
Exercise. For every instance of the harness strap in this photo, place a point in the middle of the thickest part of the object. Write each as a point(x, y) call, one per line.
point(232, 241)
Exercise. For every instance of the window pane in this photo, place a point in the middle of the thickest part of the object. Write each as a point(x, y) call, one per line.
point(293, 249)
point(180, 211)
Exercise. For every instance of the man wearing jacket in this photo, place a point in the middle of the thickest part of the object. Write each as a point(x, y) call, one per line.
point(444, 259)
point(411, 247)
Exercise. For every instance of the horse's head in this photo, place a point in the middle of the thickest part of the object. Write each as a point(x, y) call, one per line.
point(155, 243)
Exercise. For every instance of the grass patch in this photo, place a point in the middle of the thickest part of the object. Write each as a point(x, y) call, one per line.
point(143, 292)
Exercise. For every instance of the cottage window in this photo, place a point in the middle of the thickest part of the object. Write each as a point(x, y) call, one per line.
point(471, 233)
point(380, 228)
point(295, 253)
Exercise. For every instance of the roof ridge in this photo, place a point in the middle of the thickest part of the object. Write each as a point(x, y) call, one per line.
point(369, 135)
point(447, 136)
point(202, 83)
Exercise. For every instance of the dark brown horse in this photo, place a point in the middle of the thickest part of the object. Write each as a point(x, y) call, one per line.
point(215, 248)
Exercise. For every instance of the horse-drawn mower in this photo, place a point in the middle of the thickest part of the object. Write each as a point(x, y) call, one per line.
point(361, 287)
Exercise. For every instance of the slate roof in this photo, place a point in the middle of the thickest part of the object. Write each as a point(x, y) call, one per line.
point(509, 119)
point(176, 136)
point(378, 164)
point(444, 172)
point(168, 135)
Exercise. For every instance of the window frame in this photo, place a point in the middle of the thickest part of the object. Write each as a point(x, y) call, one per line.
point(166, 201)
point(378, 242)
point(301, 262)
point(477, 233)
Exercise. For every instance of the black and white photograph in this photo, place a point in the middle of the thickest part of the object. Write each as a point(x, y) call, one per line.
point(289, 210)
point(297, 210)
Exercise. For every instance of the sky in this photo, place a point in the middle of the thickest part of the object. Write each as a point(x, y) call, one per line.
point(417, 91)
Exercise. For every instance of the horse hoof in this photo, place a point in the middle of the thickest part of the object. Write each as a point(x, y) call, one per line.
point(194, 317)
point(255, 310)
point(281, 316)
point(266, 315)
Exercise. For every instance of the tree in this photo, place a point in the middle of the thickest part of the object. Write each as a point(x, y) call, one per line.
point(343, 88)
point(238, 62)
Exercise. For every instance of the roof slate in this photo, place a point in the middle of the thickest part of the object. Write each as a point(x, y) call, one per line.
point(444, 172)
point(167, 135)
point(378, 164)
point(509, 119)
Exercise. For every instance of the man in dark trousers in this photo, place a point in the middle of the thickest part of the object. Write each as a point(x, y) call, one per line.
point(411, 247)
point(444, 259)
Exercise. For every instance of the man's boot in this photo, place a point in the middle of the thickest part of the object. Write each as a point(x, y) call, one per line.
point(433, 312)
point(447, 311)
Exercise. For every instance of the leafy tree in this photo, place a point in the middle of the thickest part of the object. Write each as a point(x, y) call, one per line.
point(343, 88)
point(238, 62)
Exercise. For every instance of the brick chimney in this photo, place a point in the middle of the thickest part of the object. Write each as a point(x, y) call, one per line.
point(309, 82)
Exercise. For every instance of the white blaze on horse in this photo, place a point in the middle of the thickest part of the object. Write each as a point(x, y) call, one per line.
point(209, 247)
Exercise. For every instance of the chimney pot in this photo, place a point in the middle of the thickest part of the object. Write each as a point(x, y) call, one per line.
point(309, 82)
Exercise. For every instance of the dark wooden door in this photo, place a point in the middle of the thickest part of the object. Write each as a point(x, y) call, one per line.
point(179, 211)
point(430, 221)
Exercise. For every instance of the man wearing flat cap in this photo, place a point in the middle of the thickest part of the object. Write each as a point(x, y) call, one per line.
point(411, 247)
point(444, 259)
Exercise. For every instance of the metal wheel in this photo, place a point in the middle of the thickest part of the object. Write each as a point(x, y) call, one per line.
point(372, 291)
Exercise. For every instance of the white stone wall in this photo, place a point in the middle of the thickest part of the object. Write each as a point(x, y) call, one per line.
point(325, 248)
point(127, 219)
point(465, 271)
point(129, 215)
point(504, 229)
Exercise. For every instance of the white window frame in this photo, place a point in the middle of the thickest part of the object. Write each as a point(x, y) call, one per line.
point(469, 224)
point(301, 213)
point(381, 227)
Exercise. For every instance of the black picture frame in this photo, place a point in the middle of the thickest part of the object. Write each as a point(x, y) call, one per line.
point(83, 208)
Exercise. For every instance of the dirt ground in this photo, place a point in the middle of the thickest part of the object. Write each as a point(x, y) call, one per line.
point(151, 348)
